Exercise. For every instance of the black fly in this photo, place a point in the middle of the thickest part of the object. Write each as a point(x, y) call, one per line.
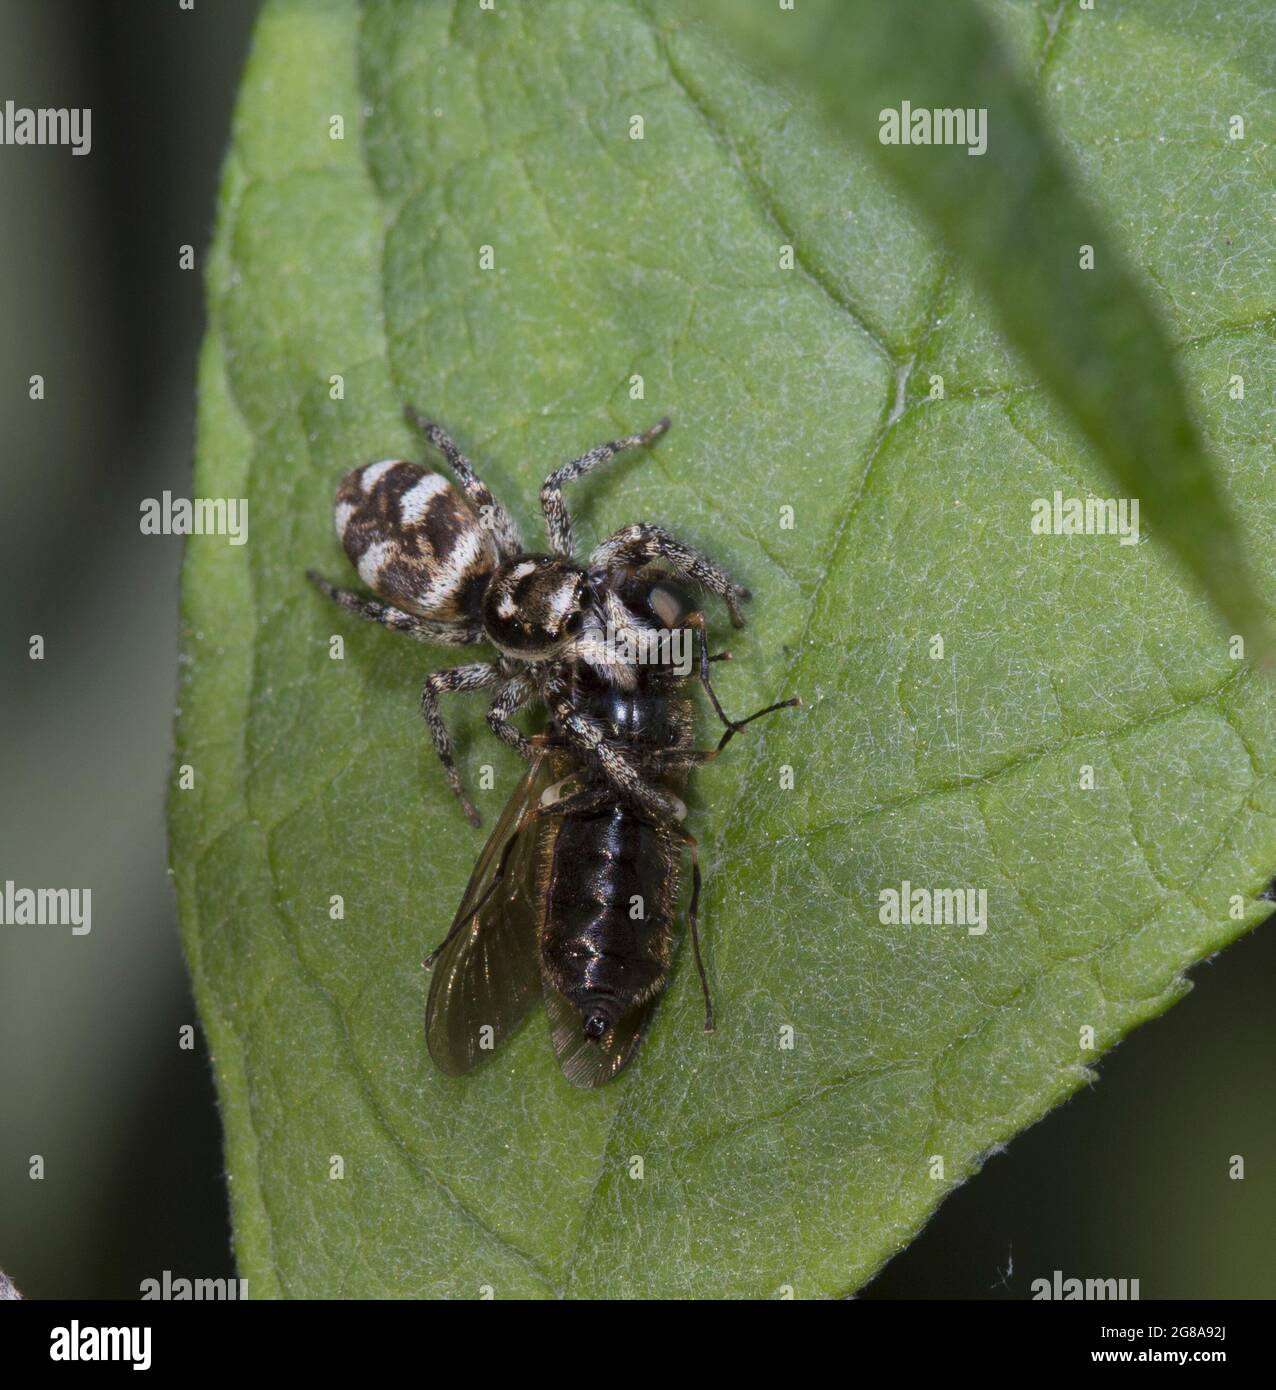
point(575, 895)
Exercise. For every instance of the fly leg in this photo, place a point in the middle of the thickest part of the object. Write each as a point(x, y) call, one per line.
point(667, 759)
point(693, 917)
point(733, 726)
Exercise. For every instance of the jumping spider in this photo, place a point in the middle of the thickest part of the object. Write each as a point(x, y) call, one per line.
point(453, 570)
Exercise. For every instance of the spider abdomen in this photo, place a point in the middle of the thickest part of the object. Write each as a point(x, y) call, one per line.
point(414, 540)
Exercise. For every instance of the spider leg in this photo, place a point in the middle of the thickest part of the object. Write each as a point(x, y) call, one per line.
point(640, 543)
point(456, 678)
point(489, 509)
point(423, 629)
point(513, 695)
point(558, 524)
point(591, 737)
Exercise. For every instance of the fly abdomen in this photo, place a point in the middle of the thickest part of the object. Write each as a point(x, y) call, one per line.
point(611, 892)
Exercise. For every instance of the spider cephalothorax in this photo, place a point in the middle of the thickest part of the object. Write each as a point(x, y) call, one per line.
point(534, 605)
point(450, 567)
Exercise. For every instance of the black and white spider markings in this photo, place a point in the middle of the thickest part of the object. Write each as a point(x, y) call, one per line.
point(574, 896)
point(454, 570)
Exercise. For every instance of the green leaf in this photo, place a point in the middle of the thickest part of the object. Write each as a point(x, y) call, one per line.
point(764, 1167)
point(1058, 280)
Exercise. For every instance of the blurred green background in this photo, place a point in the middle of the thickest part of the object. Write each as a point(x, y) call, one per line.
point(1128, 1180)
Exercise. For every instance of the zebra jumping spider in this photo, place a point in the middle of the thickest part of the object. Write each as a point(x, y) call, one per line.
point(452, 569)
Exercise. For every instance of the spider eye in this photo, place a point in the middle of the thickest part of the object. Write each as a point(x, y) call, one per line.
point(595, 1027)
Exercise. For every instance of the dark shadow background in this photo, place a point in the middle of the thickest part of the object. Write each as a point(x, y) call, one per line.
point(1130, 1179)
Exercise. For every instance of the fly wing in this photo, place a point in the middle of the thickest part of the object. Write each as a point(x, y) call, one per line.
point(488, 975)
point(590, 1064)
